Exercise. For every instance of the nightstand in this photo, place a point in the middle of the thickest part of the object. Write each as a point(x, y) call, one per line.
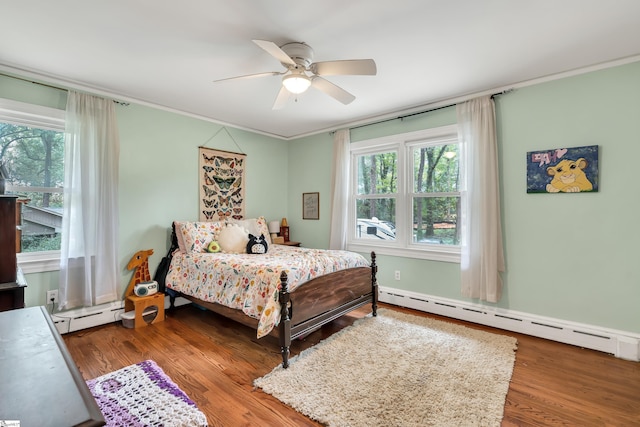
point(289, 243)
point(139, 304)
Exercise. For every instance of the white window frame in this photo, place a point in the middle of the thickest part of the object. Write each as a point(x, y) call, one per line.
point(403, 245)
point(38, 116)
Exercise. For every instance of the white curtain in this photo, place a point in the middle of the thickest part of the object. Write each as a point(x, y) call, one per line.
point(482, 257)
point(340, 190)
point(88, 260)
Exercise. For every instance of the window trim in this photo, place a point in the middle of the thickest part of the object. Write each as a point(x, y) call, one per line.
point(39, 262)
point(25, 114)
point(403, 246)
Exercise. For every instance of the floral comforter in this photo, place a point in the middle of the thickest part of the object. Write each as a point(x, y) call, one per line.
point(251, 282)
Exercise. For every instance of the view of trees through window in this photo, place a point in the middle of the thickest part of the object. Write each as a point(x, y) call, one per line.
point(436, 199)
point(434, 195)
point(32, 161)
point(378, 183)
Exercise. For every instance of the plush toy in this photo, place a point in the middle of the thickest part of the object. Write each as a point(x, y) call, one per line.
point(256, 245)
point(213, 247)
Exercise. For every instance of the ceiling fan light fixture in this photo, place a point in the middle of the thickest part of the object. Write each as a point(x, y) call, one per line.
point(296, 83)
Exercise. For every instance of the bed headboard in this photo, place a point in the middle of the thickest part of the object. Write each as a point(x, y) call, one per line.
point(163, 268)
point(174, 239)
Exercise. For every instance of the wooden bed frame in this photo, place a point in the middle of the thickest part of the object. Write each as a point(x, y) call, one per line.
point(313, 304)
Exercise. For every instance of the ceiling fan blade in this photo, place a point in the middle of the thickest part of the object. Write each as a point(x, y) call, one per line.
point(281, 99)
point(250, 76)
point(353, 67)
point(275, 51)
point(332, 90)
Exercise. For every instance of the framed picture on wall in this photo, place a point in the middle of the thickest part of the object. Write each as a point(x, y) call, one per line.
point(563, 170)
point(310, 205)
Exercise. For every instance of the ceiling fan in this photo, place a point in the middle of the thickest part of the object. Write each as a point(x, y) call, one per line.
point(301, 72)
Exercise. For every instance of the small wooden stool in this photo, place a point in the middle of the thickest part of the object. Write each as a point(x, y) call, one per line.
point(139, 304)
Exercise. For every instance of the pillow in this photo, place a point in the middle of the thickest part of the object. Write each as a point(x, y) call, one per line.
point(257, 245)
point(263, 228)
point(233, 239)
point(255, 226)
point(177, 226)
point(251, 225)
point(197, 235)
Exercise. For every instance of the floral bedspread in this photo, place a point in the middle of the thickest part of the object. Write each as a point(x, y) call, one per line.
point(251, 282)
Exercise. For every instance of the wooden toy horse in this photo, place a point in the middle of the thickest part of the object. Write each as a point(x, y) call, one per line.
point(140, 262)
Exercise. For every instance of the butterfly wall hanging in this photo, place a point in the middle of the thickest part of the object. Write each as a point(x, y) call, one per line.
point(221, 184)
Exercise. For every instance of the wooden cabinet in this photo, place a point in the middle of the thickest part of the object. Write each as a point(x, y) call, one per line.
point(12, 282)
point(12, 293)
point(8, 261)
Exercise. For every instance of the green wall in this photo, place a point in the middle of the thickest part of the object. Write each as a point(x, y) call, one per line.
point(573, 256)
point(568, 256)
point(158, 175)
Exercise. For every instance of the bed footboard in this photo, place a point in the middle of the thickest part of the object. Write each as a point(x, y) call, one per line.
point(310, 307)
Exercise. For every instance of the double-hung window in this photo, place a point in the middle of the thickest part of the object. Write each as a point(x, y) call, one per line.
point(405, 195)
point(32, 161)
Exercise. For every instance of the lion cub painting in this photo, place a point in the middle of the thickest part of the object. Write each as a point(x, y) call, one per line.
point(563, 170)
point(569, 176)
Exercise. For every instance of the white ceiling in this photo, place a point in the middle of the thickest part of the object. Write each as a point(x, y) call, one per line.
point(167, 53)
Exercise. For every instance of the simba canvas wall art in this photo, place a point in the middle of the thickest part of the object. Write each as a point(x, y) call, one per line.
point(563, 170)
point(221, 184)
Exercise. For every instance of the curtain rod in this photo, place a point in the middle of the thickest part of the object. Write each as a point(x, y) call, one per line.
point(126, 104)
point(422, 112)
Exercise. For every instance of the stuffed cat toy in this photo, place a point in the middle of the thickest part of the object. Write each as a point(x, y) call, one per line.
point(257, 245)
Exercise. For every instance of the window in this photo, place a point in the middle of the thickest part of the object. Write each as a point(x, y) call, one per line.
point(32, 160)
point(405, 195)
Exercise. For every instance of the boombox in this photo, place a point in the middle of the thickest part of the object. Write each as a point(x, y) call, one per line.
point(145, 288)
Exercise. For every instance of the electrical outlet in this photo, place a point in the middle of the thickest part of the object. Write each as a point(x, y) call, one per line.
point(397, 275)
point(52, 296)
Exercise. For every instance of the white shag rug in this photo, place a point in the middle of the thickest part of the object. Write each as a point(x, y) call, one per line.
point(398, 369)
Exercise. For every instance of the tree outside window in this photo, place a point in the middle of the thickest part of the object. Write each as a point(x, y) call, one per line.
point(436, 197)
point(33, 164)
point(376, 199)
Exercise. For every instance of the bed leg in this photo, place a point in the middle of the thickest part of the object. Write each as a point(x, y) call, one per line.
point(285, 319)
point(374, 285)
point(172, 298)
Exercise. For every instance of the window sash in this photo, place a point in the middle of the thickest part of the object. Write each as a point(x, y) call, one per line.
point(405, 145)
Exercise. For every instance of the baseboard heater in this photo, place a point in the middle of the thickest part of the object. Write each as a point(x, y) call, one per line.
point(89, 317)
point(624, 345)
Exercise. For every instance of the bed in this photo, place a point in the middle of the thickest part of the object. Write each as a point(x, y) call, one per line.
point(286, 292)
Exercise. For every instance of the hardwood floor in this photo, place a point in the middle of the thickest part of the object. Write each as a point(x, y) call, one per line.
point(214, 360)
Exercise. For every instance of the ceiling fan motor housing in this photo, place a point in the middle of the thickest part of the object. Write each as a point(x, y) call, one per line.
point(301, 54)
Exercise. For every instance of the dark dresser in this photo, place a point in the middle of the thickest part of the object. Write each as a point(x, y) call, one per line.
point(12, 281)
point(40, 384)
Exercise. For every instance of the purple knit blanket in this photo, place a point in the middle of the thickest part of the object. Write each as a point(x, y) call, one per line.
point(143, 395)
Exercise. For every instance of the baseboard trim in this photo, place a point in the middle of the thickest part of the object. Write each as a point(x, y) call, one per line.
point(624, 345)
point(89, 317)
